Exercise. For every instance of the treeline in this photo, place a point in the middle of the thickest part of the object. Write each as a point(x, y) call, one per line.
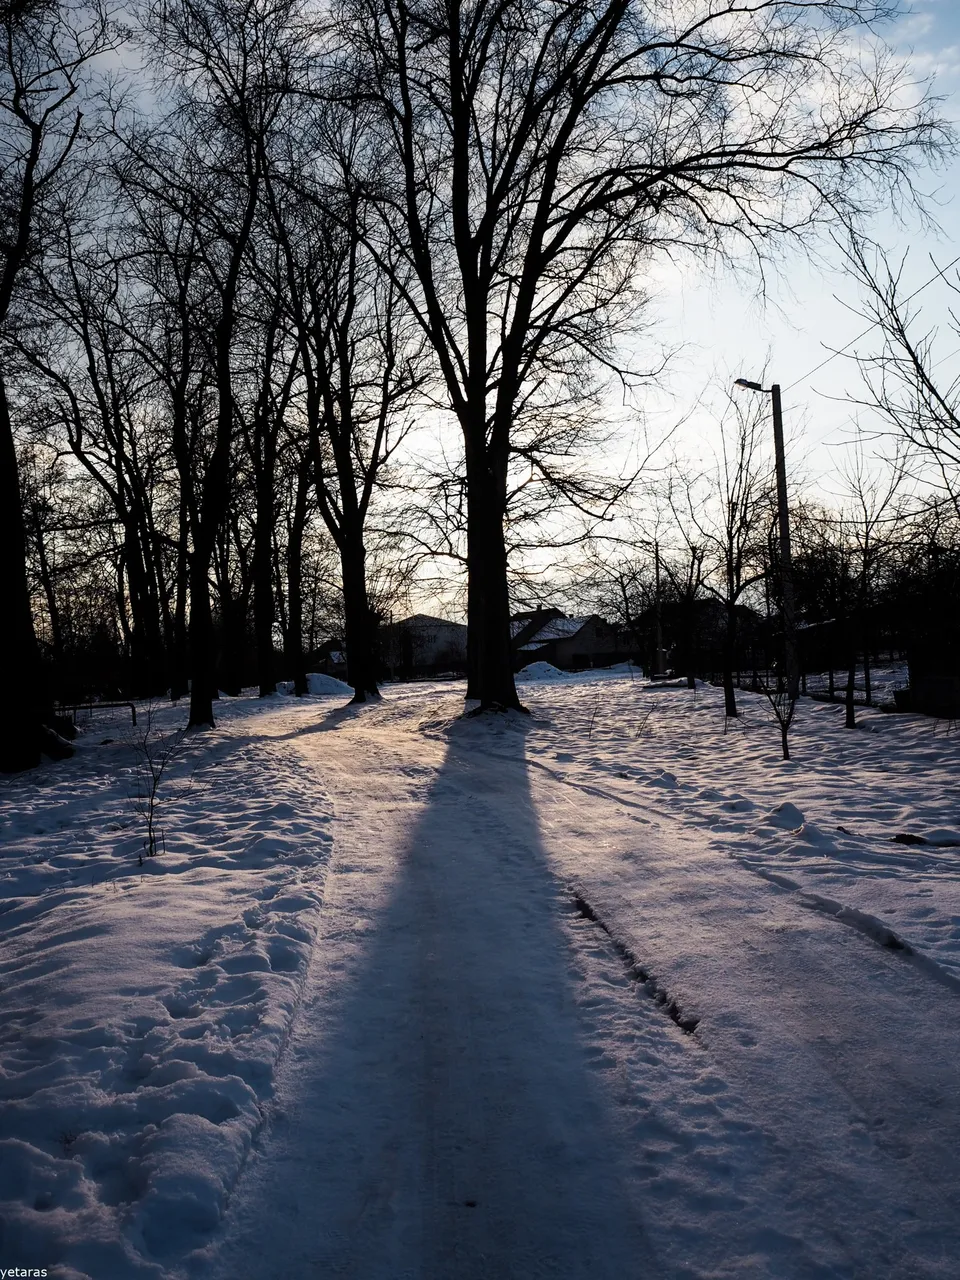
point(876, 575)
point(247, 245)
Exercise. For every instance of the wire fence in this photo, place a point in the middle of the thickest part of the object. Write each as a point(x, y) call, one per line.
point(872, 687)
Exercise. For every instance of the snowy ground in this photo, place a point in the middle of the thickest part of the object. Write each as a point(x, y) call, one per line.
point(143, 1007)
point(609, 989)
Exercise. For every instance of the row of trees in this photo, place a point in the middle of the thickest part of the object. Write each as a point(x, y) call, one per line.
point(876, 572)
point(234, 279)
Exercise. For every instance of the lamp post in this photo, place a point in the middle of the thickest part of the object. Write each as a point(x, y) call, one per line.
point(786, 564)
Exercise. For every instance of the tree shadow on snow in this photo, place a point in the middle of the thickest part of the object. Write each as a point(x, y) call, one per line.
point(440, 1117)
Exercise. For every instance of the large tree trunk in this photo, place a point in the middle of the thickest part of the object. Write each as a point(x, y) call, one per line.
point(203, 681)
point(850, 720)
point(263, 600)
point(233, 641)
point(24, 706)
point(50, 595)
point(293, 640)
point(146, 642)
point(489, 620)
point(474, 609)
point(359, 622)
point(179, 660)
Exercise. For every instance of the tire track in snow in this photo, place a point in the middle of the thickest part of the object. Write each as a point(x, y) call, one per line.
point(687, 1022)
point(863, 922)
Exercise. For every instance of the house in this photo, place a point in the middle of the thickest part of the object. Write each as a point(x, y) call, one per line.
point(423, 646)
point(569, 642)
point(329, 659)
point(525, 625)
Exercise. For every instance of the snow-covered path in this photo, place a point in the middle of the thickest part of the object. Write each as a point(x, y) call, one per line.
point(439, 1117)
point(479, 1086)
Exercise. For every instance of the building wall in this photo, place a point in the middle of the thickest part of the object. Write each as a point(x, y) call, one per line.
point(597, 643)
point(422, 645)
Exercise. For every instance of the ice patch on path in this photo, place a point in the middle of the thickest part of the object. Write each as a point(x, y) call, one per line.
point(327, 686)
point(541, 671)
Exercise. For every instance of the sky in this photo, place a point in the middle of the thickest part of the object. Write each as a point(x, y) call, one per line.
point(727, 330)
point(721, 328)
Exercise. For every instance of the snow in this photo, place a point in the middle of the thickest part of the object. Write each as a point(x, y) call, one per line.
point(327, 686)
point(540, 671)
point(144, 1007)
point(319, 685)
point(608, 989)
point(884, 680)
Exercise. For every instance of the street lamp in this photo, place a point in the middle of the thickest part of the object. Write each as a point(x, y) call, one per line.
point(786, 565)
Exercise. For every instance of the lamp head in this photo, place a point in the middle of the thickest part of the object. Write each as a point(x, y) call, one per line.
point(750, 386)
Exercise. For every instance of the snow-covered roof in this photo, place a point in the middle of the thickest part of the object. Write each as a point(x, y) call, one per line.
point(557, 629)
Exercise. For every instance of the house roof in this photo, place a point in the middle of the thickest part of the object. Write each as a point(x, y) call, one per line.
point(422, 620)
point(556, 629)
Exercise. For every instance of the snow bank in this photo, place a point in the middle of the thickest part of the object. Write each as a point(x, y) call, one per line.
point(541, 671)
point(143, 1008)
point(319, 685)
point(327, 686)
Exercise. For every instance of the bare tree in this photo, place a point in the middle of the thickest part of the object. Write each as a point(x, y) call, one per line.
point(229, 71)
point(538, 157)
point(905, 382)
point(724, 520)
point(360, 353)
point(274, 367)
point(47, 52)
point(864, 527)
point(98, 390)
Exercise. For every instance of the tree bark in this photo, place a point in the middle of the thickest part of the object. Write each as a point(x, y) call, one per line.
point(295, 658)
point(24, 706)
point(264, 610)
point(359, 622)
point(203, 679)
point(180, 648)
point(46, 581)
point(489, 596)
point(850, 721)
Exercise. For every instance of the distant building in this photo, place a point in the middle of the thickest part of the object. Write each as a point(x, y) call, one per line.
point(329, 659)
point(524, 626)
point(423, 646)
point(548, 636)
